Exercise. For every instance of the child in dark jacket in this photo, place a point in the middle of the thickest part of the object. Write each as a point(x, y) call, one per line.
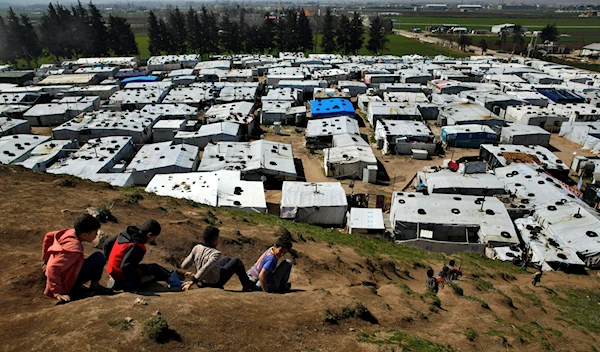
point(431, 282)
point(125, 252)
point(64, 262)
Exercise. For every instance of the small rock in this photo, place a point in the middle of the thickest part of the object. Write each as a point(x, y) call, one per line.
point(140, 302)
point(129, 319)
point(65, 211)
point(157, 312)
point(24, 263)
point(352, 329)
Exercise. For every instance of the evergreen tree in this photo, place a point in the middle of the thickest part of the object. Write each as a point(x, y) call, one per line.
point(195, 33)
point(51, 32)
point(98, 32)
point(356, 33)
point(305, 32)
point(518, 41)
point(549, 33)
point(67, 31)
point(464, 41)
point(228, 34)
point(166, 42)
point(342, 35)
point(243, 31)
point(5, 52)
point(266, 34)
point(378, 39)
point(177, 30)
point(29, 41)
point(80, 29)
point(292, 36)
point(121, 38)
point(253, 40)
point(328, 40)
point(281, 33)
point(14, 36)
point(211, 31)
point(154, 35)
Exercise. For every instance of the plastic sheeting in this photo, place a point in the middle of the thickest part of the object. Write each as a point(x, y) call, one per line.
point(322, 203)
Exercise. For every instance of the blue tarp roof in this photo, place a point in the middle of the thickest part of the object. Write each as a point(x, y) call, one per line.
point(331, 107)
point(561, 96)
point(139, 79)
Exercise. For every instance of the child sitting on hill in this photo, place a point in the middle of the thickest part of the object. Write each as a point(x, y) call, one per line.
point(431, 283)
point(125, 252)
point(64, 262)
point(265, 273)
point(212, 270)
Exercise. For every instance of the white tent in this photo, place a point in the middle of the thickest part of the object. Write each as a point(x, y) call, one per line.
point(162, 158)
point(365, 220)
point(322, 203)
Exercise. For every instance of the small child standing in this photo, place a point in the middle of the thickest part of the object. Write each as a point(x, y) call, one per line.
point(537, 277)
point(431, 282)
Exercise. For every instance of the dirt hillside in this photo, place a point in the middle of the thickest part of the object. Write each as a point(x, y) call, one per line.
point(349, 293)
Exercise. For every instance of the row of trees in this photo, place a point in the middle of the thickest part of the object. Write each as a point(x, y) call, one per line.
point(346, 35)
point(204, 33)
point(65, 33)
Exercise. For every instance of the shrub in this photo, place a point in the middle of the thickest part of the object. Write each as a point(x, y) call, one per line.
point(122, 324)
point(156, 328)
point(471, 334)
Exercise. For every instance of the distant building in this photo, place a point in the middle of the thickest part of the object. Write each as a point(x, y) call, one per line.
point(591, 50)
point(507, 27)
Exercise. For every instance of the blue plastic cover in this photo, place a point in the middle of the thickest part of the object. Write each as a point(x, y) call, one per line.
point(331, 107)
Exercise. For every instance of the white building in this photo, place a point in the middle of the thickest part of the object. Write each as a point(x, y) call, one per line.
point(223, 189)
point(10, 126)
point(349, 161)
point(401, 137)
point(18, 147)
point(211, 133)
point(99, 160)
point(497, 155)
point(446, 181)
point(55, 113)
point(367, 221)
point(392, 111)
point(162, 158)
point(456, 221)
point(102, 91)
point(322, 203)
point(468, 114)
point(525, 135)
point(253, 159)
point(172, 62)
point(165, 130)
point(45, 154)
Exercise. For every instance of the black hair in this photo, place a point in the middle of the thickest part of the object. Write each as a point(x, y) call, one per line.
point(445, 268)
point(429, 272)
point(209, 235)
point(150, 226)
point(452, 262)
point(284, 242)
point(86, 223)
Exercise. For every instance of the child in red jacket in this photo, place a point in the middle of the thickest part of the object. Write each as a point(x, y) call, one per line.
point(64, 262)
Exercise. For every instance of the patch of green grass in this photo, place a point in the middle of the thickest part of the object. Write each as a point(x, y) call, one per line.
point(456, 288)
point(406, 288)
point(365, 246)
point(133, 195)
point(142, 43)
point(156, 328)
point(483, 285)
point(479, 300)
point(359, 311)
point(580, 308)
point(480, 265)
point(532, 297)
point(403, 340)
point(122, 324)
point(471, 334)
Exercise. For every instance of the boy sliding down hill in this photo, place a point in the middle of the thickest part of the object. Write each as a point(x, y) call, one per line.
point(269, 277)
point(64, 263)
point(212, 270)
point(125, 252)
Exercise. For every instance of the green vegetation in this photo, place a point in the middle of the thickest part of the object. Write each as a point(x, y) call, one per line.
point(477, 299)
point(471, 334)
point(368, 247)
point(405, 341)
point(580, 307)
point(456, 288)
point(359, 311)
point(156, 328)
point(525, 333)
point(142, 43)
point(133, 196)
point(122, 324)
point(487, 23)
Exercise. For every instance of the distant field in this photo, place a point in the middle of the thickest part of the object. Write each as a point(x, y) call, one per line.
point(489, 22)
point(142, 42)
point(575, 32)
